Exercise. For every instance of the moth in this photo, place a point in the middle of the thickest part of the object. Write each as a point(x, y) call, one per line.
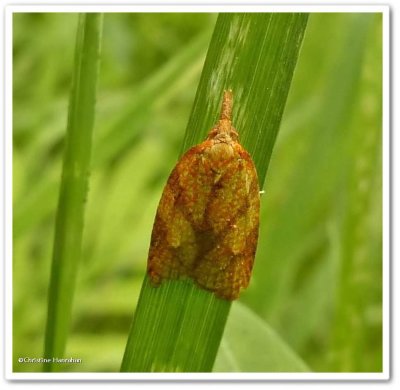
point(207, 221)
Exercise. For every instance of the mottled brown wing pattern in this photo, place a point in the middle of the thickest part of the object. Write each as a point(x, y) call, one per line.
point(173, 247)
point(225, 268)
point(206, 226)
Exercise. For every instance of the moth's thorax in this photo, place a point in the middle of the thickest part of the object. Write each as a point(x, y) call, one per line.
point(219, 153)
point(221, 144)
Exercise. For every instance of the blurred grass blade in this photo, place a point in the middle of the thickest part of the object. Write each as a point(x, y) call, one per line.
point(177, 326)
point(358, 221)
point(74, 183)
point(118, 135)
point(251, 345)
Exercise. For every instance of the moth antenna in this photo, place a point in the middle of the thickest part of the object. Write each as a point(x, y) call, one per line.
point(226, 109)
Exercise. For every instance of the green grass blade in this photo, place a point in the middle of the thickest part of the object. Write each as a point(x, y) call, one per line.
point(251, 345)
point(177, 326)
point(74, 183)
point(355, 347)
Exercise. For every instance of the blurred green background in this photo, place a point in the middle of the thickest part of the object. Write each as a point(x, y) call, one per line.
point(318, 273)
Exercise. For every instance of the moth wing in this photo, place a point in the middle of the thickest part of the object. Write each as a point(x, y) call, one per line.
point(226, 268)
point(174, 246)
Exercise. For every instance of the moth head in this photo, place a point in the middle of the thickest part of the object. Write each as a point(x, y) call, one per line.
point(224, 131)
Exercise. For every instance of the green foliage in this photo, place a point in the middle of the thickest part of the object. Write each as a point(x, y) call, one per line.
point(317, 278)
point(177, 328)
point(74, 182)
point(251, 345)
point(304, 241)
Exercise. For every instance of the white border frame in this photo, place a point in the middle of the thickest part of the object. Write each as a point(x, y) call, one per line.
point(256, 6)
